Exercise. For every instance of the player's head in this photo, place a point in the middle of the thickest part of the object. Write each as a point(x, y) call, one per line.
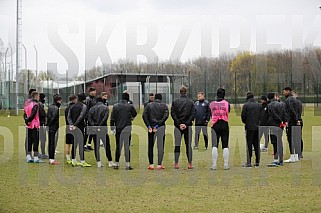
point(31, 91)
point(220, 93)
point(158, 96)
point(35, 95)
point(271, 96)
point(263, 99)
point(295, 93)
point(99, 98)
point(287, 91)
point(42, 98)
point(151, 97)
point(81, 97)
point(73, 99)
point(249, 95)
point(125, 96)
point(57, 99)
point(183, 90)
point(104, 95)
point(200, 96)
point(92, 91)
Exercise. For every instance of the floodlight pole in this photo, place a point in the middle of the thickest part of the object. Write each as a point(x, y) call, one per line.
point(25, 56)
point(34, 46)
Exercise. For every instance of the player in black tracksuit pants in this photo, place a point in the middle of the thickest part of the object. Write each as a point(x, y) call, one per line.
point(263, 129)
point(42, 129)
point(53, 124)
point(121, 121)
point(183, 114)
point(202, 117)
point(276, 119)
point(90, 102)
point(154, 116)
point(97, 117)
point(76, 119)
point(251, 118)
point(69, 137)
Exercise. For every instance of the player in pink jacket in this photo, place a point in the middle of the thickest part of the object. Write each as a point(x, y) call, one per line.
point(220, 109)
point(31, 117)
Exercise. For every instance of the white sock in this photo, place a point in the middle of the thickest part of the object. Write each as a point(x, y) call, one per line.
point(68, 157)
point(296, 157)
point(82, 161)
point(116, 163)
point(51, 160)
point(226, 155)
point(99, 164)
point(214, 155)
point(275, 160)
point(35, 158)
point(127, 164)
point(74, 160)
point(89, 144)
point(28, 157)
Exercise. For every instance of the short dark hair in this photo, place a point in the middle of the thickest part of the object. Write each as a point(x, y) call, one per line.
point(287, 89)
point(270, 95)
point(56, 98)
point(31, 91)
point(99, 98)
point(91, 89)
point(263, 97)
point(151, 94)
point(72, 97)
point(81, 97)
point(183, 90)
point(201, 93)
point(103, 93)
point(125, 96)
point(158, 96)
point(249, 94)
point(42, 96)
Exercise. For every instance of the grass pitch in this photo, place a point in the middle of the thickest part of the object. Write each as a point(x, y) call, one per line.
point(44, 188)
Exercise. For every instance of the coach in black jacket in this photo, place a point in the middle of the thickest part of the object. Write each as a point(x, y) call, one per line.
point(97, 117)
point(154, 116)
point(183, 114)
point(121, 121)
point(53, 124)
point(251, 118)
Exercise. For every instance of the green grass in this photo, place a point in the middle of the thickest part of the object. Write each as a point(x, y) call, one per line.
point(43, 188)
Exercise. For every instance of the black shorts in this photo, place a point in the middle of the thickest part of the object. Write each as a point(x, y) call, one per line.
point(69, 139)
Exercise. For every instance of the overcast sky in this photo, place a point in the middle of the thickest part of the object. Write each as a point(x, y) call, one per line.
point(65, 31)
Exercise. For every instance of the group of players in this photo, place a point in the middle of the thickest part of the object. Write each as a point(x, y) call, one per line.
point(86, 120)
